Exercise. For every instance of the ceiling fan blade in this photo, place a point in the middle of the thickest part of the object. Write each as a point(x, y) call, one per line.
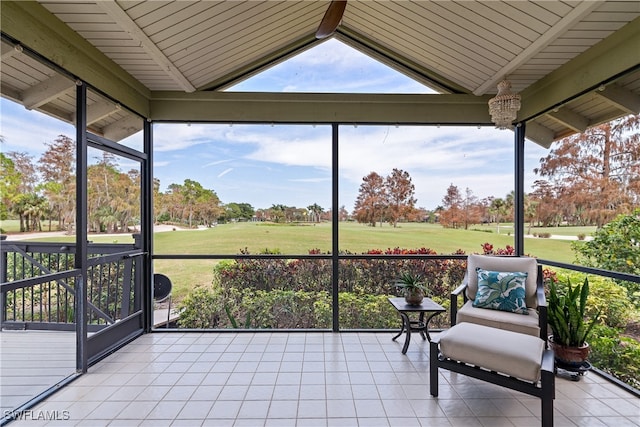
point(331, 18)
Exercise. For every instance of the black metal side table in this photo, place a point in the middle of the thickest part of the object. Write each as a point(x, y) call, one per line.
point(421, 325)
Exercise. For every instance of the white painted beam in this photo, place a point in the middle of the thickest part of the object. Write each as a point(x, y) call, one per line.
point(46, 91)
point(125, 22)
point(581, 10)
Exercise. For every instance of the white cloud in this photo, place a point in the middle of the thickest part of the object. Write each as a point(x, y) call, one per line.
point(224, 172)
point(28, 131)
point(171, 137)
point(310, 180)
point(217, 162)
point(332, 66)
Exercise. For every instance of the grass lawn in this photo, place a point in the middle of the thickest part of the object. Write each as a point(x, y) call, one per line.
point(299, 239)
point(13, 225)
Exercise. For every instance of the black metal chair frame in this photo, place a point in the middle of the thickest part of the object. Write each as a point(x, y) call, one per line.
point(544, 389)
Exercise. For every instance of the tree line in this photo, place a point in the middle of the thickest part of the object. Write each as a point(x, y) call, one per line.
point(42, 195)
point(586, 179)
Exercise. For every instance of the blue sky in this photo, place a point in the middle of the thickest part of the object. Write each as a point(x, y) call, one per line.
point(290, 165)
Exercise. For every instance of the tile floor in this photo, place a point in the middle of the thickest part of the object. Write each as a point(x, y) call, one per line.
point(305, 379)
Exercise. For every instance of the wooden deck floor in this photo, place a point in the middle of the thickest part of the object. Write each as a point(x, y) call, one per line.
point(31, 362)
point(164, 316)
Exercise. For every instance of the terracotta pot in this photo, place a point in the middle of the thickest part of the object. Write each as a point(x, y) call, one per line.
point(413, 296)
point(571, 356)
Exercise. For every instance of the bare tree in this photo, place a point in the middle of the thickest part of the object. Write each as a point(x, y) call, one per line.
point(596, 174)
point(451, 215)
point(372, 200)
point(400, 191)
point(57, 167)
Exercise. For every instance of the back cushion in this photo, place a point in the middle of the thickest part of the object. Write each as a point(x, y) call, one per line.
point(509, 264)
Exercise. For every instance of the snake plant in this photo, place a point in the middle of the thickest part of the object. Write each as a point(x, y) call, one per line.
point(566, 315)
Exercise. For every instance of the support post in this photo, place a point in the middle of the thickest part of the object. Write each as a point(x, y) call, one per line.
point(82, 359)
point(519, 189)
point(335, 218)
point(146, 228)
point(3, 279)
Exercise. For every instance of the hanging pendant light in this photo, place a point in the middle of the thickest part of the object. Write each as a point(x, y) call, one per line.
point(504, 106)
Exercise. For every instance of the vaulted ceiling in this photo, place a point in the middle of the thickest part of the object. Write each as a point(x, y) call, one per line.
point(575, 63)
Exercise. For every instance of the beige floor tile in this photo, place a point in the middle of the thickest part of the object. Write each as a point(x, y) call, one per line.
point(309, 379)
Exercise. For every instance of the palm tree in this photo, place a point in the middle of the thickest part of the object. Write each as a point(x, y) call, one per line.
point(316, 210)
point(30, 208)
point(498, 208)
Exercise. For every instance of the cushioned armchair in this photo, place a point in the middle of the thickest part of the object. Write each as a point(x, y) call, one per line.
point(502, 292)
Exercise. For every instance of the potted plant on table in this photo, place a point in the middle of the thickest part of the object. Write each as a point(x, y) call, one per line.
point(566, 317)
point(413, 286)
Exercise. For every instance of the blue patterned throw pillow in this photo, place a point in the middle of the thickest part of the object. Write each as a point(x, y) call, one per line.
point(500, 290)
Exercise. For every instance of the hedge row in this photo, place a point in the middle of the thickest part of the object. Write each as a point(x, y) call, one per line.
point(288, 294)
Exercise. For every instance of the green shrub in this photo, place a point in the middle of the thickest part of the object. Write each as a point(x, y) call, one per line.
point(284, 309)
point(605, 296)
point(366, 312)
point(617, 355)
point(361, 276)
point(202, 308)
point(211, 307)
point(290, 294)
point(614, 247)
point(612, 301)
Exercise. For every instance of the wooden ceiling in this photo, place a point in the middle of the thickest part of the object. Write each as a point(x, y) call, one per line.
point(576, 63)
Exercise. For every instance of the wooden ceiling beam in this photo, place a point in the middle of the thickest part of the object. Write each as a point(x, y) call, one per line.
point(46, 91)
point(98, 111)
point(123, 128)
point(623, 99)
point(570, 119)
point(539, 134)
point(252, 107)
point(39, 30)
point(602, 63)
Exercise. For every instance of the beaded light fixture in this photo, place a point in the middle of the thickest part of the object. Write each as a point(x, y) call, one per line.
point(504, 106)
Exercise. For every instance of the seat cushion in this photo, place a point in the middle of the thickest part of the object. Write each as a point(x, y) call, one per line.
point(500, 319)
point(511, 353)
point(511, 264)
